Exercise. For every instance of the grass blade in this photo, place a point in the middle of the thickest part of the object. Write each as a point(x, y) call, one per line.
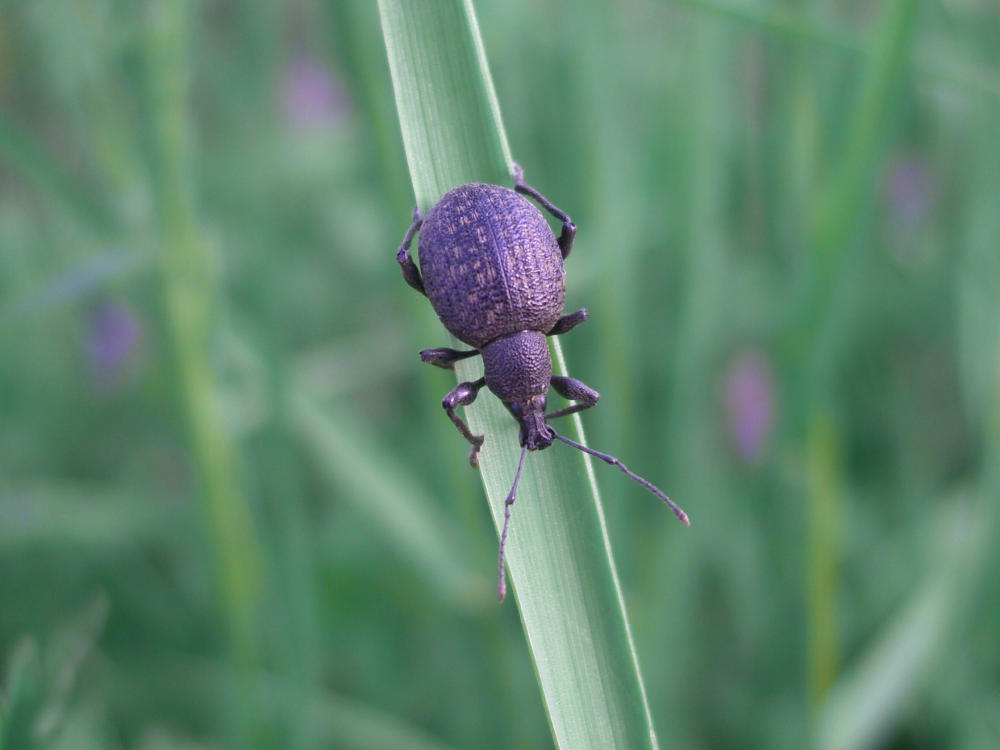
point(873, 695)
point(85, 278)
point(186, 276)
point(964, 76)
point(21, 153)
point(394, 501)
point(558, 551)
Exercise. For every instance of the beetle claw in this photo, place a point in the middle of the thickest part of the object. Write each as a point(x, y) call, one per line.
point(474, 453)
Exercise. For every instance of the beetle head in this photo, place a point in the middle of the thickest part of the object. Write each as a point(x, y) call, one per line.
point(535, 431)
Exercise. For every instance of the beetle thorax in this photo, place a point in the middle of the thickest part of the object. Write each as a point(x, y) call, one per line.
point(518, 366)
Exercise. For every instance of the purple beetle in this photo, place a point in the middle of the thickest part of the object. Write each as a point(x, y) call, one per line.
point(493, 270)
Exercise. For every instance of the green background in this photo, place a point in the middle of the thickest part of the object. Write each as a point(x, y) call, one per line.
point(232, 513)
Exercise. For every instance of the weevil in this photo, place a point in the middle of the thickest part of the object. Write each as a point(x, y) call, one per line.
point(493, 270)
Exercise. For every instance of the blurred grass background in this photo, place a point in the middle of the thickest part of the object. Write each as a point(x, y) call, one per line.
point(232, 513)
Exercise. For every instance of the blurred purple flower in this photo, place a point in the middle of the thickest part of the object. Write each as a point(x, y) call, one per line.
point(311, 95)
point(114, 335)
point(911, 189)
point(750, 402)
point(911, 194)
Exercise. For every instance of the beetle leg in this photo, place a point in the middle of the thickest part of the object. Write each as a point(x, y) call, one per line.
point(463, 395)
point(568, 322)
point(410, 272)
point(574, 390)
point(568, 227)
point(445, 358)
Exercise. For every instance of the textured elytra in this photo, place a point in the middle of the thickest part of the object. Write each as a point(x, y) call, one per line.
point(490, 264)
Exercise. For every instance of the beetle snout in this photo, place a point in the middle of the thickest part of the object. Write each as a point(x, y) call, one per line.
point(536, 434)
point(539, 440)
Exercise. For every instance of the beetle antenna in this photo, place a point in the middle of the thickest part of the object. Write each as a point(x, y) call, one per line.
point(502, 584)
point(631, 475)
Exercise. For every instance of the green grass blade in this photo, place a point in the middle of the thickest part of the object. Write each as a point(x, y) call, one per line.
point(559, 555)
point(328, 718)
point(394, 500)
point(77, 515)
point(825, 493)
point(781, 23)
point(87, 277)
point(890, 53)
point(963, 75)
point(873, 695)
point(22, 154)
point(189, 299)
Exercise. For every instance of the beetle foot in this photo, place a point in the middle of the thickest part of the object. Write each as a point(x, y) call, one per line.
point(474, 453)
point(445, 358)
point(568, 322)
